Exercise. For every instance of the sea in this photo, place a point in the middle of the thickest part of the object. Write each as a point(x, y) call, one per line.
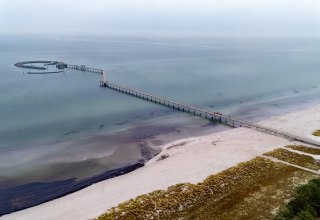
point(62, 132)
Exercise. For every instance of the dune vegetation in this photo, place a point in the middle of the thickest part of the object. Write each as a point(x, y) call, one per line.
point(305, 149)
point(295, 158)
point(316, 133)
point(255, 189)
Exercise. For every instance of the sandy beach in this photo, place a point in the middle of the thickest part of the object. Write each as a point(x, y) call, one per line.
point(186, 160)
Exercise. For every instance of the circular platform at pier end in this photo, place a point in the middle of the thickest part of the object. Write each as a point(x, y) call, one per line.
point(36, 64)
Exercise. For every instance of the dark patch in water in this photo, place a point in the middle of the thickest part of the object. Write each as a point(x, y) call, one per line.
point(210, 124)
point(157, 142)
point(70, 132)
point(148, 132)
point(32, 194)
point(139, 116)
point(28, 194)
point(146, 152)
point(251, 113)
point(101, 126)
point(121, 123)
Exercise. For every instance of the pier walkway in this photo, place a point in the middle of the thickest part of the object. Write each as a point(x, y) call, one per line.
point(84, 68)
point(212, 116)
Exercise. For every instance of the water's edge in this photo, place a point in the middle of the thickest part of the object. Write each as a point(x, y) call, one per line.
point(52, 190)
point(31, 194)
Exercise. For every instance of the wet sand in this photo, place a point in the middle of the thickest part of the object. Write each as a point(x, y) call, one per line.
point(186, 160)
point(75, 164)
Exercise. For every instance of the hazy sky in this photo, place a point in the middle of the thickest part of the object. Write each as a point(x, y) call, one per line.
point(195, 16)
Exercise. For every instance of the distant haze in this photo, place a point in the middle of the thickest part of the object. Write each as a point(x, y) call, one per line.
point(179, 16)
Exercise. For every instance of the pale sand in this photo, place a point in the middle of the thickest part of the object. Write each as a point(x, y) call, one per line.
point(301, 123)
point(190, 160)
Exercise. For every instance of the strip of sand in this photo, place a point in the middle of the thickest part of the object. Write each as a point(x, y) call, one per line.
point(301, 123)
point(186, 160)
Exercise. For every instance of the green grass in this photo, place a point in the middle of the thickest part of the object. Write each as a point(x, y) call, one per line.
point(316, 133)
point(305, 149)
point(254, 189)
point(295, 158)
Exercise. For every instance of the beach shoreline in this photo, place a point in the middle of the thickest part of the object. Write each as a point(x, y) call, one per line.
point(57, 189)
point(185, 160)
point(80, 155)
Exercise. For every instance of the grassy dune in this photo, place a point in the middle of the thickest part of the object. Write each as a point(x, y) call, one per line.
point(316, 133)
point(251, 190)
point(295, 158)
point(309, 150)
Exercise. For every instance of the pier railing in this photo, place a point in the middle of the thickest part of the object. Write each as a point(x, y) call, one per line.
point(212, 116)
point(84, 68)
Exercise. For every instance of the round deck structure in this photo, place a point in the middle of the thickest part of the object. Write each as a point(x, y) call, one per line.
point(31, 64)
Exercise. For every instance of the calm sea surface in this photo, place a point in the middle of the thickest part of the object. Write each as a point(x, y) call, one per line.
point(59, 126)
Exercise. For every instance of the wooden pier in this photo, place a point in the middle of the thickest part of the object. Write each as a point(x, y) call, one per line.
point(212, 116)
point(84, 68)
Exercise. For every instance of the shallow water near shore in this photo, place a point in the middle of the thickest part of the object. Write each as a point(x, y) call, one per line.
point(58, 127)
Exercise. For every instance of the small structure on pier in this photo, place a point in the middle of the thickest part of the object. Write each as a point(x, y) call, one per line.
point(61, 65)
point(104, 81)
point(83, 67)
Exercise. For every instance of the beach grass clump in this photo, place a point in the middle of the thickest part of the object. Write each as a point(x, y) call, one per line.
point(305, 149)
point(305, 204)
point(295, 158)
point(316, 133)
point(224, 195)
